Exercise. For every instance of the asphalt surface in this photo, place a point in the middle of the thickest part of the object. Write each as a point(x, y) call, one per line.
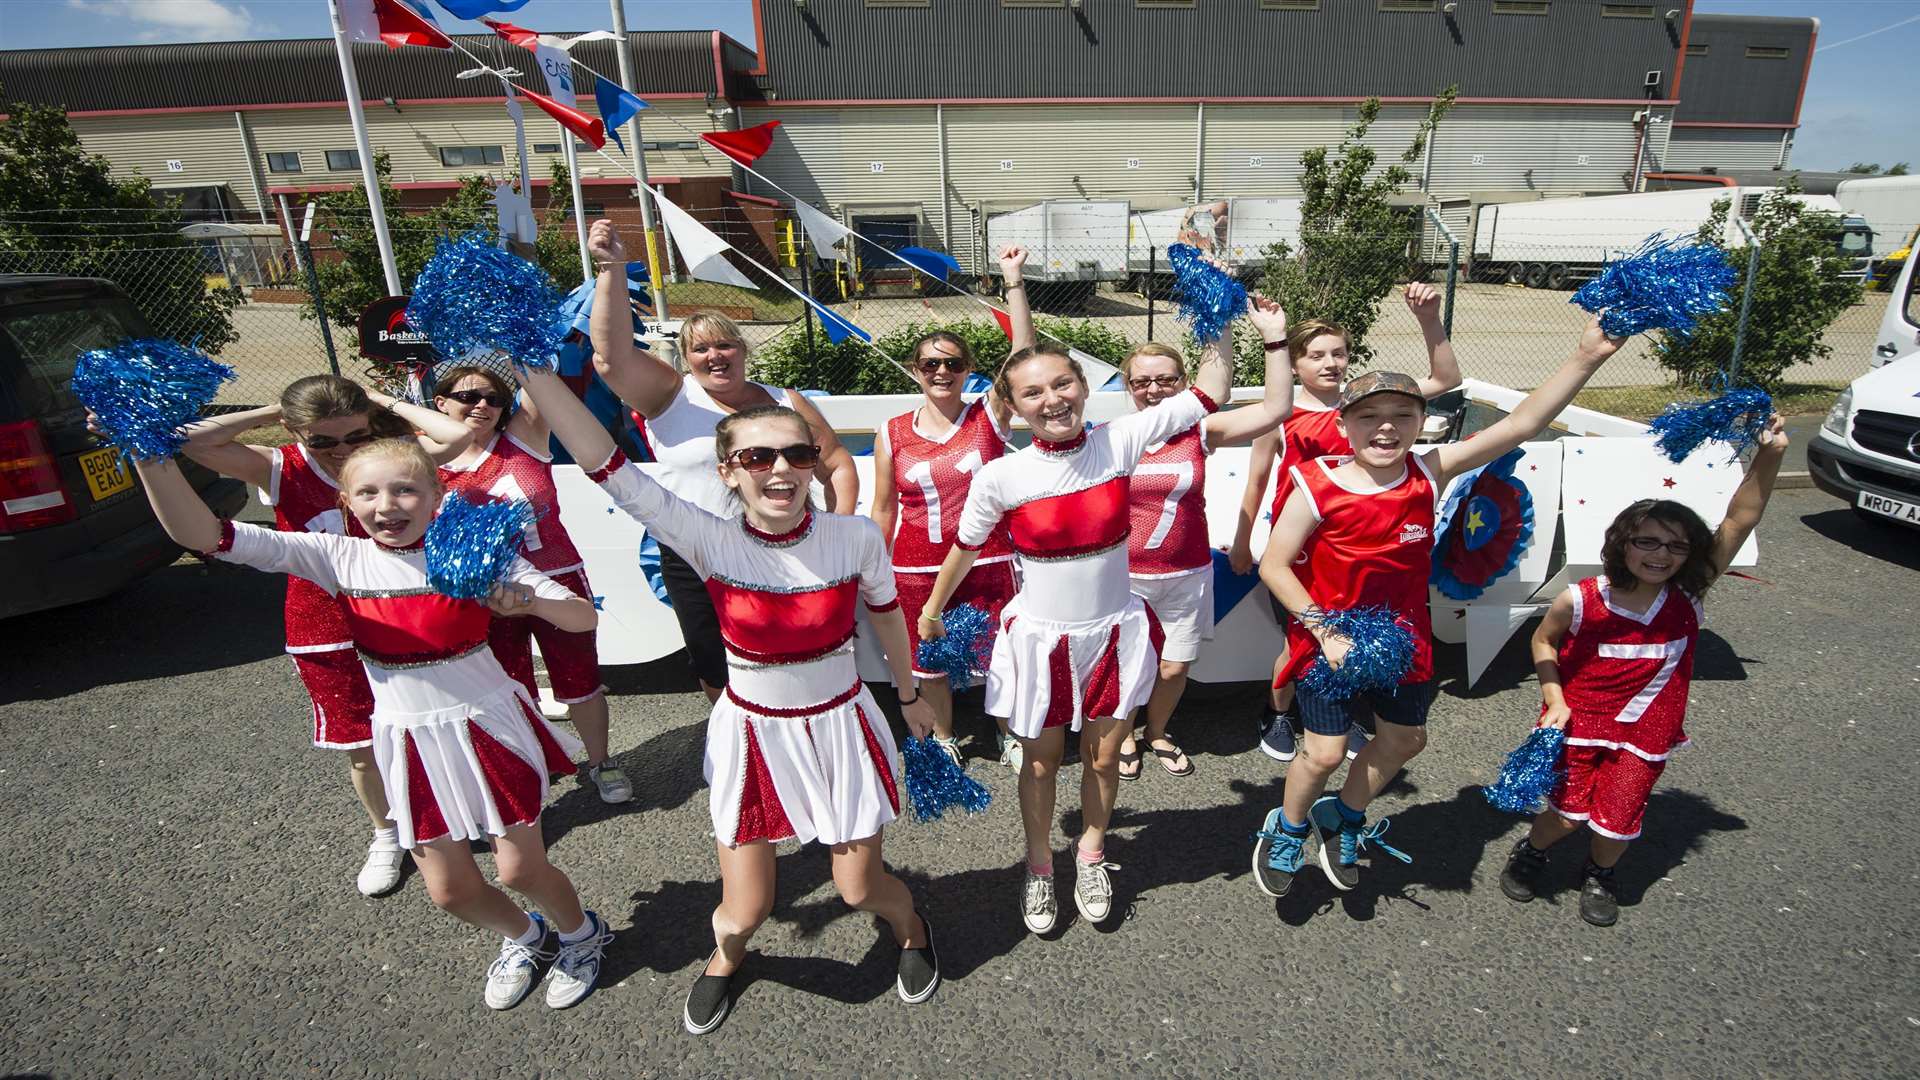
point(181, 903)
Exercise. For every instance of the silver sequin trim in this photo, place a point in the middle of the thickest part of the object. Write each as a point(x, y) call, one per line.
point(379, 594)
point(1122, 542)
point(782, 589)
point(387, 666)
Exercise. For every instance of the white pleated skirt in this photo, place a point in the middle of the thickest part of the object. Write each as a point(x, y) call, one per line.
point(828, 772)
point(1047, 674)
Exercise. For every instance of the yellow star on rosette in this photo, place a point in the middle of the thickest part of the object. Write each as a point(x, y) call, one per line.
point(1474, 522)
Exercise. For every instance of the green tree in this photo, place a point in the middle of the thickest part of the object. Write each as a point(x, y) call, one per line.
point(1354, 243)
point(1899, 169)
point(1798, 292)
point(1862, 168)
point(62, 212)
point(557, 248)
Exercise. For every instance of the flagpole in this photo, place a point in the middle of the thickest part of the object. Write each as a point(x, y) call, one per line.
point(638, 151)
point(579, 204)
point(358, 117)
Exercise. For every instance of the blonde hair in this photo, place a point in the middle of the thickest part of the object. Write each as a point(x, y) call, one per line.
point(318, 398)
point(710, 326)
point(401, 451)
point(1313, 328)
point(1002, 380)
point(723, 431)
point(1153, 348)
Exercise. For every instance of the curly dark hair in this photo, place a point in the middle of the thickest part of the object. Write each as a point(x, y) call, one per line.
point(1696, 573)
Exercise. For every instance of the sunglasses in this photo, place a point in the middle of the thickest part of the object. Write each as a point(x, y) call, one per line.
point(758, 459)
point(931, 364)
point(1651, 543)
point(475, 397)
point(328, 442)
point(1165, 382)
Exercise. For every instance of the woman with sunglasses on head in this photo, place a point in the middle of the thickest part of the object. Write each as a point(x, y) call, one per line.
point(329, 418)
point(1168, 556)
point(1076, 650)
point(509, 460)
point(679, 414)
point(923, 462)
point(796, 747)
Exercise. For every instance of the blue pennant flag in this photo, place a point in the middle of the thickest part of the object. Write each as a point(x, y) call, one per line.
point(473, 9)
point(837, 327)
point(1230, 588)
point(616, 107)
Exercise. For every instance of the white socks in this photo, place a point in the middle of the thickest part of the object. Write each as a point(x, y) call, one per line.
point(386, 839)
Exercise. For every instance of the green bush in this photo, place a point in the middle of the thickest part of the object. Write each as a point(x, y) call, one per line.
point(852, 368)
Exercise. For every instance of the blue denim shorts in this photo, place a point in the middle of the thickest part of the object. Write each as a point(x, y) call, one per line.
point(1406, 705)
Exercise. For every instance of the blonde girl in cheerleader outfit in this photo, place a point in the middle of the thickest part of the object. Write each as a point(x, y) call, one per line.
point(463, 750)
point(797, 748)
point(1076, 650)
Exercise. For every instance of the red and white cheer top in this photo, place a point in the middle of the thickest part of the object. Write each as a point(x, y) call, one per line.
point(1310, 431)
point(1168, 496)
point(1067, 509)
point(931, 474)
point(305, 499)
point(510, 469)
point(1626, 675)
point(1373, 545)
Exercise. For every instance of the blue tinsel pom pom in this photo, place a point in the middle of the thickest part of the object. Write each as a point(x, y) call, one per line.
point(1210, 298)
point(964, 651)
point(473, 296)
point(1530, 772)
point(142, 391)
point(1381, 656)
point(935, 783)
point(471, 545)
point(1666, 285)
point(1736, 417)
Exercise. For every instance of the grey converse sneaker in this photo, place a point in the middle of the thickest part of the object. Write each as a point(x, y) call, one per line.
point(1092, 889)
point(1038, 905)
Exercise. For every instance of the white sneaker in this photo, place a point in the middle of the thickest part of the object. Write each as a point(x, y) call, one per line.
point(380, 874)
point(511, 975)
point(577, 964)
point(1012, 754)
point(1037, 902)
point(610, 782)
point(1092, 889)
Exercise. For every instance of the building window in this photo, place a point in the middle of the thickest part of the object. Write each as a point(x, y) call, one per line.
point(1626, 11)
point(899, 3)
point(1290, 5)
point(1519, 7)
point(1406, 5)
point(1033, 3)
point(546, 148)
point(455, 157)
point(593, 209)
point(342, 160)
point(1767, 52)
point(675, 144)
point(1163, 3)
point(1696, 50)
point(284, 162)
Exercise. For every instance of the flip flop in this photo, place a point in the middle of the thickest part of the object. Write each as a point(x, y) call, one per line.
point(1165, 758)
point(1132, 759)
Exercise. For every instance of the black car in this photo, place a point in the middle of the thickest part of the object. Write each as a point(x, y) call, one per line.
point(73, 523)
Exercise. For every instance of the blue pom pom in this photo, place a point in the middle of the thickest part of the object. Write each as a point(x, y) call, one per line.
point(1381, 656)
point(1210, 298)
point(935, 783)
point(472, 296)
point(1530, 772)
point(1666, 285)
point(964, 651)
point(1736, 417)
point(142, 391)
point(471, 545)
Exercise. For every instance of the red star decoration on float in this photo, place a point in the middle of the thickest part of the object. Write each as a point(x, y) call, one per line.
point(1668, 482)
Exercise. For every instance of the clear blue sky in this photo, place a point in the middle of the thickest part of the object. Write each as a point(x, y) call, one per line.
point(1853, 109)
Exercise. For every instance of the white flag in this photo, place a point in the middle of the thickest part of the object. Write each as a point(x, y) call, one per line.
point(557, 66)
point(359, 21)
point(702, 250)
point(1098, 372)
point(825, 232)
point(566, 44)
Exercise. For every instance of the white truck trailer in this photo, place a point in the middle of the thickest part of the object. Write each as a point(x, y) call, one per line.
point(1557, 243)
point(1892, 204)
point(1066, 239)
point(1252, 226)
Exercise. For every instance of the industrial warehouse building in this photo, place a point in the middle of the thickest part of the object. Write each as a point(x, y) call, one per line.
point(920, 118)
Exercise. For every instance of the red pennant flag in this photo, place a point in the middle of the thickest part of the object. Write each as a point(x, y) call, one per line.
point(517, 35)
point(587, 127)
point(745, 146)
point(401, 25)
point(1005, 320)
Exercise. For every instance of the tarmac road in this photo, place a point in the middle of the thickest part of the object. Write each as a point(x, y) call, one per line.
point(180, 897)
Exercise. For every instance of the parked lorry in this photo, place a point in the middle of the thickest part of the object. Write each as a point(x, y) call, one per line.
point(1240, 235)
point(1892, 203)
point(1066, 239)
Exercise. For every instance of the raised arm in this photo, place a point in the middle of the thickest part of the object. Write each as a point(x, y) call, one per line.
point(885, 510)
point(570, 419)
point(836, 471)
point(185, 518)
point(528, 425)
point(1750, 498)
point(1234, 427)
point(441, 436)
point(643, 380)
point(210, 443)
point(1533, 414)
point(1259, 469)
point(1443, 369)
point(1013, 260)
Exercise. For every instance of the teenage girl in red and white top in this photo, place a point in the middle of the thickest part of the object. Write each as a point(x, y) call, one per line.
point(509, 460)
point(329, 418)
point(1076, 649)
point(1320, 353)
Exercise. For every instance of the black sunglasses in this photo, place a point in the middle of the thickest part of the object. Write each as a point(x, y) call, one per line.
point(931, 364)
point(475, 397)
point(328, 442)
point(760, 458)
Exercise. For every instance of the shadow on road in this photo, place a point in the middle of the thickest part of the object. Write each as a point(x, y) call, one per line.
point(1887, 541)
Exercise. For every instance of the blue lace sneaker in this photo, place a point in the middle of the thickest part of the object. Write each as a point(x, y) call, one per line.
point(1277, 856)
point(513, 973)
point(1341, 842)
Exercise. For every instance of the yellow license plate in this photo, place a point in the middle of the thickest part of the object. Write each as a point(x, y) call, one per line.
point(106, 473)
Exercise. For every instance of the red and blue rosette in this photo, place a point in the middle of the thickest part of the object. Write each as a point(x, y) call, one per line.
point(1485, 526)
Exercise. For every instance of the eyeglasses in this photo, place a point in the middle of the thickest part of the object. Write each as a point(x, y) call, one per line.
point(475, 397)
point(931, 364)
point(328, 442)
point(1165, 382)
point(760, 458)
point(1654, 543)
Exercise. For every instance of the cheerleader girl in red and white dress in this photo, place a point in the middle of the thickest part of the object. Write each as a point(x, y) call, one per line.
point(329, 417)
point(509, 460)
point(1076, 649)
point(796, 746)
point(1319, 350)
point(1615, 658)
point(463, 750)
point(923, 463)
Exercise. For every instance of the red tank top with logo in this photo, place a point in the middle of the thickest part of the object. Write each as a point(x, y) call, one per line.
point(509, 469)
point(1168, 496)
point(932, 477)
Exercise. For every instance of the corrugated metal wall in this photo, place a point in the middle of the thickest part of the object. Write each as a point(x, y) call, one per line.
point(1693, 149)
point(206, 145)
point(878, 158)
point(1558, 150)
point(1255, 149)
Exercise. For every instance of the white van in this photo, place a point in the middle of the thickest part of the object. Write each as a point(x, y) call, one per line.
point(1868, 448)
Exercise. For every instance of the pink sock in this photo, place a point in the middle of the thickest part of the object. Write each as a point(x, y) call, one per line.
point(1044, 870)
point(1090, 857)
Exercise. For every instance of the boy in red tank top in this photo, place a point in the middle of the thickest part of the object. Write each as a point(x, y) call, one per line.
point(1357, 531)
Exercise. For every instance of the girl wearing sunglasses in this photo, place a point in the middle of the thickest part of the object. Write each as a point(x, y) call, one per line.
point(1615, 659)
point(923, 462)
point(330, 418)
point(509, 460)
point(678, 414)
point(797, 747)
